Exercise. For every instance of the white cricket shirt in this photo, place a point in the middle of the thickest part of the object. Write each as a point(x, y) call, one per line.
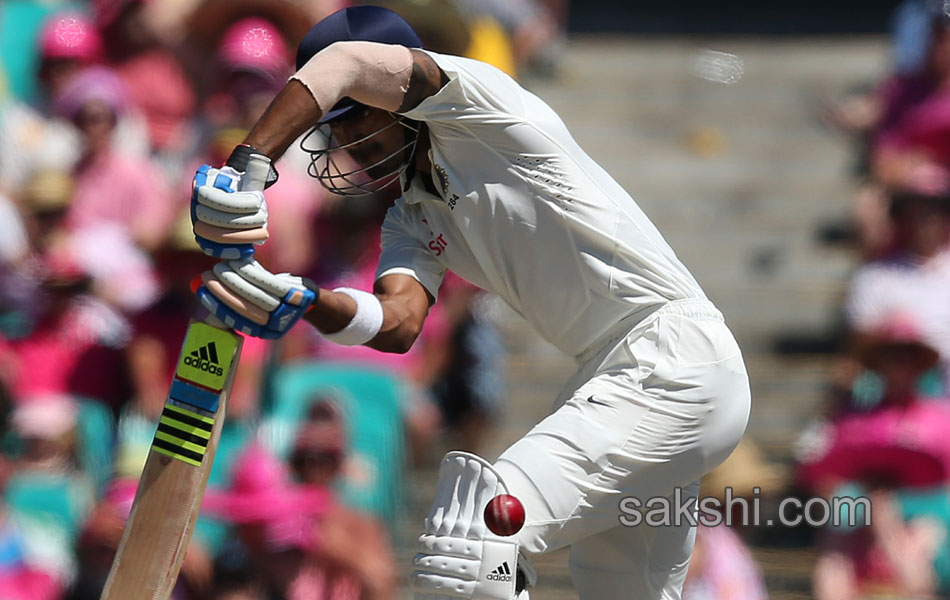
point(526, 214)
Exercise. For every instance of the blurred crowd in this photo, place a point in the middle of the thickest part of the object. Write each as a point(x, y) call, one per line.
point(106, 109)
point(883, 433)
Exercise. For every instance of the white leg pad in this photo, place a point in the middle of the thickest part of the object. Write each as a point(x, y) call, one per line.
point(459, 557)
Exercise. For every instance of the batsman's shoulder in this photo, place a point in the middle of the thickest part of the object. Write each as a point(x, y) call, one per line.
point(426, 80)
point(402, 216)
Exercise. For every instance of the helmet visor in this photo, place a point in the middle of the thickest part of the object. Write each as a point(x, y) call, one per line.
point(359, 167)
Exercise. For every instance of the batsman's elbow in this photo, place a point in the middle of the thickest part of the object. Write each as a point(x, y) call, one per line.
point(391, 347)
point(396, 342)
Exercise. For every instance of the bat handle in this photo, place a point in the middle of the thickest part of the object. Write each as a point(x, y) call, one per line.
point(255, 175)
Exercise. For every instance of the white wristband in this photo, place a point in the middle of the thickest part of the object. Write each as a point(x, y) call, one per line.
point(365, 324)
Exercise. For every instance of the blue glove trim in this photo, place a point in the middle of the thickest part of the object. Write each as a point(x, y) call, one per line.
point(230, 318)
point(225, 251)
point(201, 178)
point(284, 316)
point(281, 320)
point(224, 182)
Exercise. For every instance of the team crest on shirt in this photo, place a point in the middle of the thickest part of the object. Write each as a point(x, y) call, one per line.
point(443, 179)
point(444, 186)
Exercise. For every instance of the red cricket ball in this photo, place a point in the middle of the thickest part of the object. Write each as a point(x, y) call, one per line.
point(504, 515)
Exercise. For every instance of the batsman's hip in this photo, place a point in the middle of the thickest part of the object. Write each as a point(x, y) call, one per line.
point(691, 376)
point(660, 409)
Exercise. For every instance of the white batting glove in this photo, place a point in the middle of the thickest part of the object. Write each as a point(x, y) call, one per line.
point(250, 299)
point(228, 210)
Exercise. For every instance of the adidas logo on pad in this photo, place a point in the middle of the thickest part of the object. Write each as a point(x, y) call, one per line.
point(205, 359)
point(501, 573)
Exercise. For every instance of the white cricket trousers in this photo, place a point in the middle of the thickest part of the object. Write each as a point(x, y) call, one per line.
point(655, 409)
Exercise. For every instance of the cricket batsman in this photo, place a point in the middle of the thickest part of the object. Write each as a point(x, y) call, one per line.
point(495, 188)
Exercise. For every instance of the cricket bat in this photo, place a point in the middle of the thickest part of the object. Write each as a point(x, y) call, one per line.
point(173, 483)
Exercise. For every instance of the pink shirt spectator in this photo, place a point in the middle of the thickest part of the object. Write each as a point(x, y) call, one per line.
point(123, 273)
point(900, 95)
point(916, 117)
point(25, 583)
point(292, 206)
point(722, 568)
point(47, 361)
point(161, 90)
point(126, 191)
point(921, 426)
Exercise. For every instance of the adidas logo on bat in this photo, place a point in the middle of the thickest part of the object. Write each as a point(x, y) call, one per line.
point(205, 359)
point(501, 573)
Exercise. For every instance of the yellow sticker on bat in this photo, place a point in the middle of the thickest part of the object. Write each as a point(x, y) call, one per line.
point(206, 355)
point(183, 434)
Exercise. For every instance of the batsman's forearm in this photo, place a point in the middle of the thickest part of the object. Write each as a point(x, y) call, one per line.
point(292, 112)
point(371, 73)
point(401, 326)
point(331, 312)
point(334, 310)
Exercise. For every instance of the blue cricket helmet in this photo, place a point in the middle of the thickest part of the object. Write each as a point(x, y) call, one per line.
point(356, 23)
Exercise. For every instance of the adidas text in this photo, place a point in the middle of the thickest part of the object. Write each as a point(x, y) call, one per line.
point(203, 365)
point(497, 577)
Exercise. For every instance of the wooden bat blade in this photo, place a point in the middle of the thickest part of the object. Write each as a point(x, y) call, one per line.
point(176, 472)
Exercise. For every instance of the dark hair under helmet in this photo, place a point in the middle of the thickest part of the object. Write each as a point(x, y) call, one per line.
point(356, 23)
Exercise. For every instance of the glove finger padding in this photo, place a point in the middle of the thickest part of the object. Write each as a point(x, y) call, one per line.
point(228, 201)
point(252, 309)
point(232, 220)
point(235, 301)
point(221, 236)
point(252, 271)
point(247, 290)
